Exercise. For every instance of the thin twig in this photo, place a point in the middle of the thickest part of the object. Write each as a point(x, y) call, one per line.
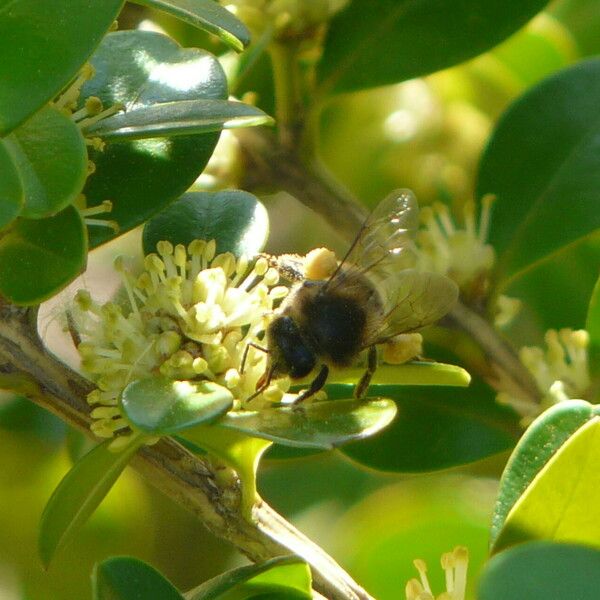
point(186, 478)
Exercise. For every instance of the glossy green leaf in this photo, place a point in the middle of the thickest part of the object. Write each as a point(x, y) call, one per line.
point(562, 503)
point(78, 495)
point(542, 571)
point(127, 578)
point(324, 424)
point(593, 327)
point(412, 373)
point(50, 154)
point(436, 428)
point(237, 220)
point(237, 450)
point(541, 441)
point(378, 42)
point(285, 577)
point(42, 50)
point(208, 15)
point(12, 196)
point(159, 405)
point(140, 69)
point(543, 164)
point(39, 257)
point(185, 117)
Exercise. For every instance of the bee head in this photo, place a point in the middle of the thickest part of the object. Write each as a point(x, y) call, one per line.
point(289, 353)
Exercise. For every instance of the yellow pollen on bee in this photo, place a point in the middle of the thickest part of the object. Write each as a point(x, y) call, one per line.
point(320, 263)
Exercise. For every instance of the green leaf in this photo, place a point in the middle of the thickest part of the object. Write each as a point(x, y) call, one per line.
point(126, 578)
point(39, 257)
point(42, 50)
point(141, 69)
point(159, 405)
point(208, 15)
point(78, 495)
point(12, 196)
point(436, 428)
point(283, 577)
point(325, 424)
point(412, 373)
point(178, 118)
point(378, 42)
point(237, 450)
point(543, 164)
point(237, 220)
point(592, 325)
point(540, 442)
point(50, 154)
point(542, 571)
point(563, 501)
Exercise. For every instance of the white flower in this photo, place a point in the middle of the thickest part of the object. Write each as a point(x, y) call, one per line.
point(461, 253)
point(561, 372)
point(190, 315)
point(455, 565)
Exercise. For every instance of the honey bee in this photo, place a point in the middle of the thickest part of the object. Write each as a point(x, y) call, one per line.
point(373, 295)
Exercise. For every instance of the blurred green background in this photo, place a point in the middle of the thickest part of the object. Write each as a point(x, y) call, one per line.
point(426, 134)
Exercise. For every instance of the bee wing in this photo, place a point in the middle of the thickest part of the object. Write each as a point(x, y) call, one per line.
point(384, 243)
point(412, 299)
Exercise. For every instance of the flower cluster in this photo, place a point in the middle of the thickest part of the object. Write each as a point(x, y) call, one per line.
point(455, 565)
point(287, 18)
point(190, 315)
point(460, 253)
point(561, 371)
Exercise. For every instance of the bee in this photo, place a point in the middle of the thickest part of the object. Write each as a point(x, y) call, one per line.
point(373, 295)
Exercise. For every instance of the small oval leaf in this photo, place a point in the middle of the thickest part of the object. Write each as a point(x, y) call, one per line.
point(159, 405)
point(39, 257)
point(185, 117)
point(237, 220)
point(205, 14)
point(50, 154)
point(323, 424)
point(127, 578)
point(139, 177)
point(542, 571)
point(562, 503)
point(540, 442)
point(282, 577)
point(78, 495)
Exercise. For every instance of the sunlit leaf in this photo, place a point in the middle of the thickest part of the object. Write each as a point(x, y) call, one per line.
point(378, 42)
point(562, 503)
point(161, 406)
point(285, 577)
point(540, 571)
point(541, 441)
point(323, 424)
point(126, 578)
point(543, 164)
point(39, 257)
point(237, 220)
point(78, 495)
point(185, 117)
point(140, 69)
point(208, 15)
point(42, 51)
point(50, 155)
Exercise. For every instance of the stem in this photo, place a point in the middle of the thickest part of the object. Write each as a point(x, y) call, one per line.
point(186, 478)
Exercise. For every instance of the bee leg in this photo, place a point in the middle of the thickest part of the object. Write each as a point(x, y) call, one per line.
point(363, 385)
point(245, 355)
point(317, 383)
point(263, 385)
